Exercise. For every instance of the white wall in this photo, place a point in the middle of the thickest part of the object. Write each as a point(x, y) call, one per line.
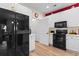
point(40, 27)
point(20, 9)
point(71, 16)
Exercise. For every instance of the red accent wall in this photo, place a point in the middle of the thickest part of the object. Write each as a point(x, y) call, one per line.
point(63, 9)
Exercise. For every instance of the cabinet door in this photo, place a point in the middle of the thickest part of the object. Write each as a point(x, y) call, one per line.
point(72, 43)
point(32, 42)
point(69, 43)
point(76, 44)
point(51, 39)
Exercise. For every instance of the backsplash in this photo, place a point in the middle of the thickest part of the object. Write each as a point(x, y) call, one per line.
point(71, 30)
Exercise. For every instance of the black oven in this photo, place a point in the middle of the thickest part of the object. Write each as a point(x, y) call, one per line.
point(59, 38)
point(59, 41)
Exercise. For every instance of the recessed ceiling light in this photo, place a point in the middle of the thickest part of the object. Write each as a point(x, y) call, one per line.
point(47, 6)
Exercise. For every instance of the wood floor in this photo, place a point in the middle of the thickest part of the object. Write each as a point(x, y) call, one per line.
point(43, 50)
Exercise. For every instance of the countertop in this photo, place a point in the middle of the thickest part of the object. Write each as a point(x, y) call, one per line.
point(72, 35)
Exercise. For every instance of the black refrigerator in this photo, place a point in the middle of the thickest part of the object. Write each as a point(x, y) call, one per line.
point(14, 33)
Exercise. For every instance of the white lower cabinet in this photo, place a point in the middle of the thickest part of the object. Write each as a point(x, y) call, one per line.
point(32, 42)
point(51, 39)
point(72, 43)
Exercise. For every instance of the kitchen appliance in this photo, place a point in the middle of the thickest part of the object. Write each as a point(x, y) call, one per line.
point(59, 38)
point(16, 35)
point(62, 24)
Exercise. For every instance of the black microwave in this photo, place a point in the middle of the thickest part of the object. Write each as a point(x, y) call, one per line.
point(62, 24)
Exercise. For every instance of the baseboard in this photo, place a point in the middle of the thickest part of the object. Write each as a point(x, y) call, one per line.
point(75, 52)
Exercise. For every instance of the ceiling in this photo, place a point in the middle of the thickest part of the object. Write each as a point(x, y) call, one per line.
point(46, 7)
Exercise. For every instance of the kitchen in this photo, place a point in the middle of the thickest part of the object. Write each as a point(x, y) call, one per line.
point(53, 27)
point(45, 26)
